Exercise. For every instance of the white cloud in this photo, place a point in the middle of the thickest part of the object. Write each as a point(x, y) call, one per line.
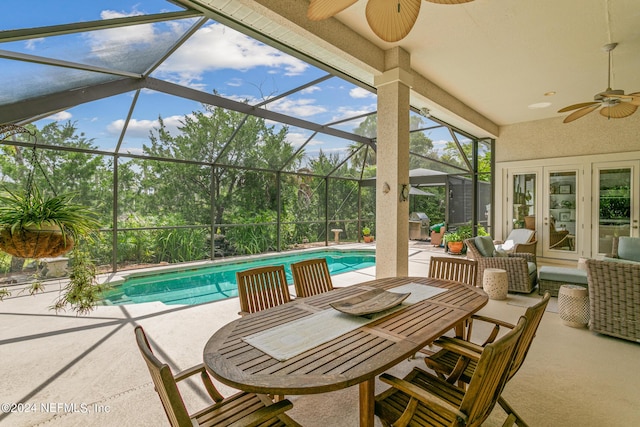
point(298, 107)
point(359, 93)
point(216, 47)
point(60, 116)
point(315, 152)
point(236, 82)
point(134, 150)
point(310, 89)
point(106, 43)
point(251, 100)
point(141, 128)
point(343, 112)
point(297, 138)
point(440, 145)
point(31, 44)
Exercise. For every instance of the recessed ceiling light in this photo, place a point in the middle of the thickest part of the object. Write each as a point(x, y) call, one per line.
point(551, 93)
point(539, 105)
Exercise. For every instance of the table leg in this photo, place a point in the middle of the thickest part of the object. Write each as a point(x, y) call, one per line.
point(367, 400)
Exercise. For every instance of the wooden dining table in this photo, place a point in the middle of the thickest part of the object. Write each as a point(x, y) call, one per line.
point(353, 358)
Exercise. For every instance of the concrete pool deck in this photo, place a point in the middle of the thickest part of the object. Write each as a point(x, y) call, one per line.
point(79, 371)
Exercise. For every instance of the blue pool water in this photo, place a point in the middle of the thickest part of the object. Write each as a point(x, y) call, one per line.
point(215, 282)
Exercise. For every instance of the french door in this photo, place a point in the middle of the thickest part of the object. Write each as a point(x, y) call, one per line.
point(562, 211)
point(615, 208)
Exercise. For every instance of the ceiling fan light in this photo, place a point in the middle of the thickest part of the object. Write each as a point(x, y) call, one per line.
point(615, 104)
point(609, 93)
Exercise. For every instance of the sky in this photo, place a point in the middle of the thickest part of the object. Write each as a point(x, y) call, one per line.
point(216, 58)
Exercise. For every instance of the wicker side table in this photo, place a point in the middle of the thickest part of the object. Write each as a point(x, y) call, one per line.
point(573, 305)
point(495, 283)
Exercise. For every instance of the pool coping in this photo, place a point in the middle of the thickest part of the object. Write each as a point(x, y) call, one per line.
point(115, 279)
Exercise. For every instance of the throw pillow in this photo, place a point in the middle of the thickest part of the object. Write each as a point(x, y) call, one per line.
point(485, 245)
point(501, 252)
point(629, 248)
point(437, 227)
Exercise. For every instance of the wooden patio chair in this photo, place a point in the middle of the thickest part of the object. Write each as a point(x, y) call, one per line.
point(458, 269)
point(261, 288)
point(558, 238)
point(455, 365)
point(423, 399)
point(311, 277)
point(240, 410)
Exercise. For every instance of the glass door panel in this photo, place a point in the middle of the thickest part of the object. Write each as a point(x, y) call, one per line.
point(561, 222)
point(524, 201)
point(615, 208)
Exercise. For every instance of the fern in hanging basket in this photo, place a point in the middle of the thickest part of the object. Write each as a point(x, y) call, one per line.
point(33, 225)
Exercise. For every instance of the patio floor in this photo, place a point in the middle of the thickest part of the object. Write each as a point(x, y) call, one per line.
point(77, 371)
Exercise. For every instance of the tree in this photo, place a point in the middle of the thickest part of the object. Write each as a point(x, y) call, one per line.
point(240, 146)
point(60, 171)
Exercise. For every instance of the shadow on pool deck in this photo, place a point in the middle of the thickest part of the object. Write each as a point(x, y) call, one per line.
point(54, 364)
point(61, 362)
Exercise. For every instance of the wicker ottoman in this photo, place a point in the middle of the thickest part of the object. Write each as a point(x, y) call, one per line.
point(551, 278)
point(573, 305)
point(495, 283)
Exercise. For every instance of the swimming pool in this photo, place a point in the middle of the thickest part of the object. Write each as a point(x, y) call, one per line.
point(216, 281)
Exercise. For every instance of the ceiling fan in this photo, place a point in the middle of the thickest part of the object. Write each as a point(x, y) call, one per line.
point(615, 104)
point(389, 20)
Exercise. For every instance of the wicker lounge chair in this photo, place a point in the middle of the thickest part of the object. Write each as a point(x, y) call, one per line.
point(614, 298)
point(520, 267)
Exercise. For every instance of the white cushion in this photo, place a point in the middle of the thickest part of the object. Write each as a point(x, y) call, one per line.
point(517, 236)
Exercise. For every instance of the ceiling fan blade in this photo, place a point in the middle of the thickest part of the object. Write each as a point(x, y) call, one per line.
point(635, 98)
point(392, 20)
point(577, 114)
point(323, 9)
point(576, 106)
point(619, 111)
point(449, 1)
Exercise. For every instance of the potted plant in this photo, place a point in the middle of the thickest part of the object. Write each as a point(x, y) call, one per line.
point(366, 234)
point(34, 225)
point(454, 242)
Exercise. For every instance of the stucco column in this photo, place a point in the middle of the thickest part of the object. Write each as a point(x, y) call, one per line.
point(392, 173)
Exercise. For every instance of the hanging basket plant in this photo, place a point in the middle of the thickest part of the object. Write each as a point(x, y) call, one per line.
point(48, 242)
point(35, 225)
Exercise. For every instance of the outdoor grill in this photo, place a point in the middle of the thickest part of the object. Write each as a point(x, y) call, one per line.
point(418, 226)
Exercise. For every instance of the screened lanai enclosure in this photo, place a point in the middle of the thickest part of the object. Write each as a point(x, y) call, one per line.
point(194, 137)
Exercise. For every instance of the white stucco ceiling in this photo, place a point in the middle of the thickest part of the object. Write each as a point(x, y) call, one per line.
point(500, 57)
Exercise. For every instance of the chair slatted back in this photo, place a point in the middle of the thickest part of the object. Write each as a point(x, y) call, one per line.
point(261, 288)
point(490, 376)
point(533, 316)
point(458, 269)
point(311, 277)
point(164, 383)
